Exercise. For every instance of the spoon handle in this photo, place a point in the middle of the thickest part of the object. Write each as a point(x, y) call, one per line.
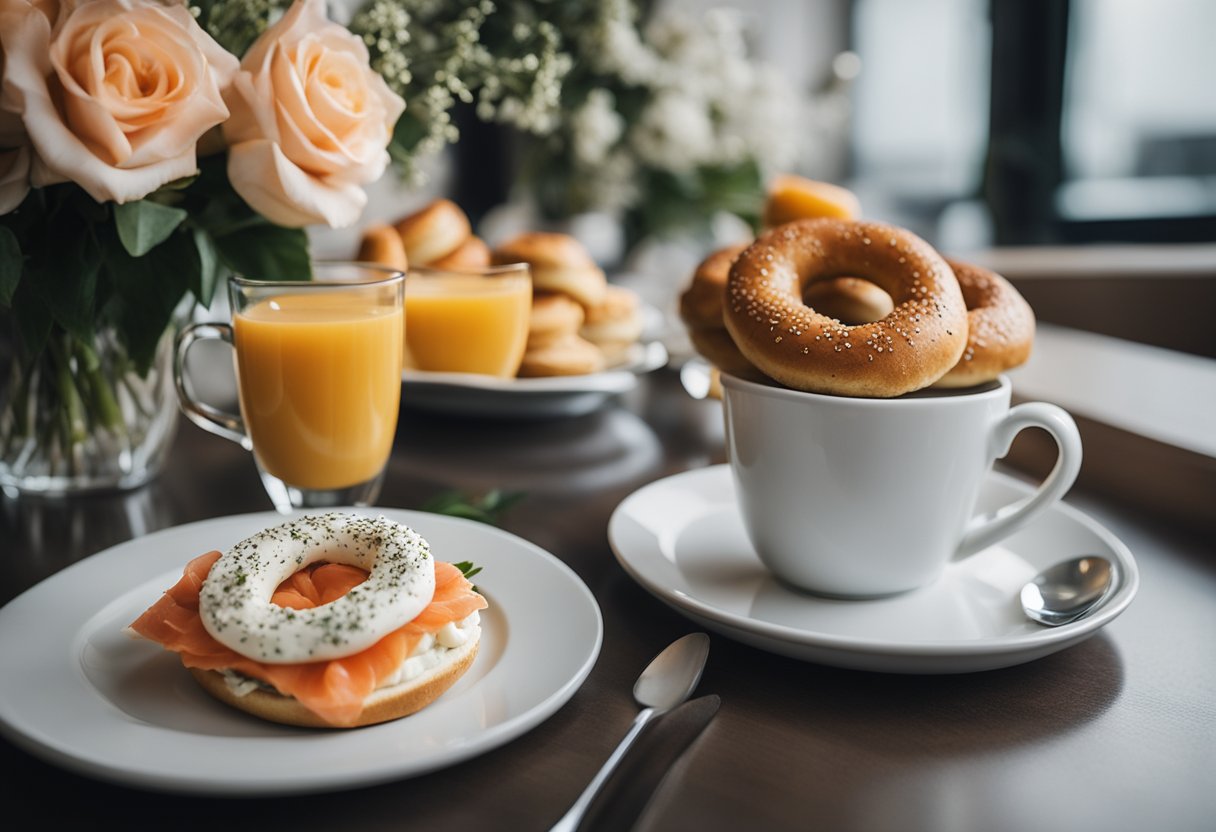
point(570, 821)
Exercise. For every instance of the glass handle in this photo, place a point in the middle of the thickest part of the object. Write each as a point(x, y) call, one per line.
point(228, 425)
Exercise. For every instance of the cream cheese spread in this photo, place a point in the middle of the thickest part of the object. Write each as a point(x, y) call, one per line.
point(430, 652)
point(235, 606)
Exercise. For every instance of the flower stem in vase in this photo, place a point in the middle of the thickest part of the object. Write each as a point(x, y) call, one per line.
point(106, 410)
point(75, 429)
point(21, 407)
point(81, 417)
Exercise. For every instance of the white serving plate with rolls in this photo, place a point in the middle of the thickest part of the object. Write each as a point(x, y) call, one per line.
point(467, 394)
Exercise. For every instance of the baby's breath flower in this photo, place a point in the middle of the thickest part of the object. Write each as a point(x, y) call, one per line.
point(596, 127)
point(674, 95)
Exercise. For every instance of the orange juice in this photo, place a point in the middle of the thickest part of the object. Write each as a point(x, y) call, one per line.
point(320, 383)
point(467, 323)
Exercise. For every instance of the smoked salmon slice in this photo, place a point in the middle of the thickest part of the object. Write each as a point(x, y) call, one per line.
point(333, 689)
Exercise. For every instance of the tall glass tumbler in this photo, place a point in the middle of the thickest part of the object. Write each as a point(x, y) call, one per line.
point(318, 367)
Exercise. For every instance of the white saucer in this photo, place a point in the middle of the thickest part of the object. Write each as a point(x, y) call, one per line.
point(683, 540)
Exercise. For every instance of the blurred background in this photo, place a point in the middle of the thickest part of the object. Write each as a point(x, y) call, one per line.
point(1068, 144)
point(1057, 140)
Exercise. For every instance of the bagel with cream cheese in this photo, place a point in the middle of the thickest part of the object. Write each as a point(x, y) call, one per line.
point(335, 620)
point(382, 705)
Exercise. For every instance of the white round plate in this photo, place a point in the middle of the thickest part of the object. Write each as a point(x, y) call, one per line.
point(683, 540)
point(80, 693)
point(527, 398)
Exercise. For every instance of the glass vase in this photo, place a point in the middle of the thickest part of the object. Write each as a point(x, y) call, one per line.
point(80, 416)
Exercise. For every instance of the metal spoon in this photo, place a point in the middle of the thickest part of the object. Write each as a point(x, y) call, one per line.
point(666, 682)
point(1067, 591)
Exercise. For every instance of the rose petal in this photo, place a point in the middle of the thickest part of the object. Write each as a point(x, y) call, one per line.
point(75, 88)
point(278, 190)
point(306, 87)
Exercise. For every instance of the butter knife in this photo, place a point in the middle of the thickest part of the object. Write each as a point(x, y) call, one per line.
point(641, 773)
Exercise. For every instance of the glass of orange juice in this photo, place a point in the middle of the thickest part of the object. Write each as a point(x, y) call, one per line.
point(318, 367)
point(468, 321)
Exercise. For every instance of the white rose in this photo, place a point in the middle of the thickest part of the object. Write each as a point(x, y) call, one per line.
point(114, 94)
point(311, 121)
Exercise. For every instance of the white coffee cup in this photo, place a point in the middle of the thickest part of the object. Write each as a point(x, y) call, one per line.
point(861, 498)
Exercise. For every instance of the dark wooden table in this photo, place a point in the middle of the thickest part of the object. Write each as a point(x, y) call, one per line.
point(1116, 733)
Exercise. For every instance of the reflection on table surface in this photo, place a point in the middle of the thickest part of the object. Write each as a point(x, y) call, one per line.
point(1123, 718)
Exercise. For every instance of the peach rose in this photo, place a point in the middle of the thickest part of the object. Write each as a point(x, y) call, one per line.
point(114, 94)
point(311, 121)
point(14, 144)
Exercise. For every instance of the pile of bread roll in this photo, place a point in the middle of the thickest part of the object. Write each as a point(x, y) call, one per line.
point(580, 323)
point(439, 236)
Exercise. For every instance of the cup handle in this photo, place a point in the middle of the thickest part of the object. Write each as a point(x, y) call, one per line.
point(228, 425)
point(987, 529)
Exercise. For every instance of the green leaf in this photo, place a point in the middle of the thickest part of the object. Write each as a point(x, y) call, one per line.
point(498, 501)
point(78, 200)
point(11, 264)
point(212, 179)
point(148, 289)
point(486, 509)
point(65, 277)
point(407, 133)
point(145, 224)
point(210, 268)
point(178, 184)
point(266, 252)
point(34, 322)
point(467, 568)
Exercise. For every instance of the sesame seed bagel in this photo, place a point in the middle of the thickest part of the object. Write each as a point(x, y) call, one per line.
point(434, 231)
point(718, 348)
point(383, 705)
point(701, 312)
point(849, 300)
point(701, 302)
point(1000, 327)
point(909, 349)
